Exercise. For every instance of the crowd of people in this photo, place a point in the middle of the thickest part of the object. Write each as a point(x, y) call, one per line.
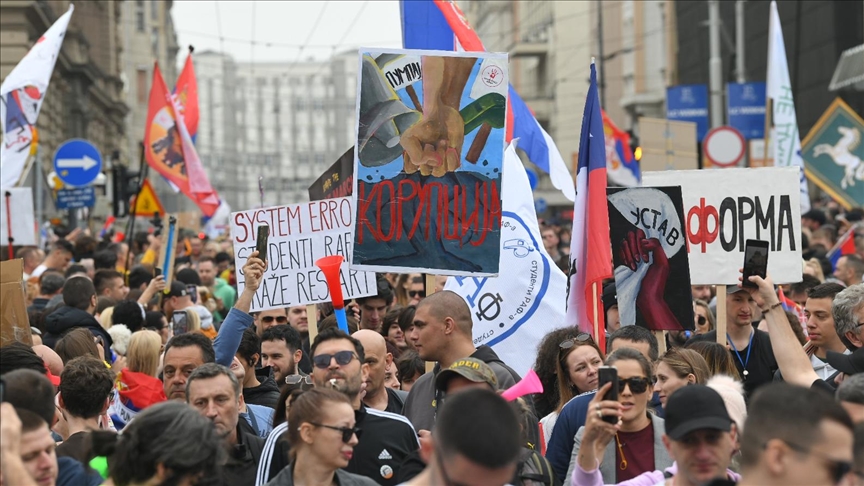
point(133, 381)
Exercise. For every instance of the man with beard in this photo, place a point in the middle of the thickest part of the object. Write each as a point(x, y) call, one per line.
point(387, 438)
point(281, 351)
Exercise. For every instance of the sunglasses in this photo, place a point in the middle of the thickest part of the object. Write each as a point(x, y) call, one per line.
point(322, 361)
point(347, 432)
point(297, 379)
point(701, 320)
point(637, 385)
point(278, 319)
point(582, 337)
point(839, 469)
point(416, 293)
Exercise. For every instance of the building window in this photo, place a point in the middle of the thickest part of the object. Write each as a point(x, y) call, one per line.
point(139, 16)
point(154, 41)
point(141, 86)
point(154, 11)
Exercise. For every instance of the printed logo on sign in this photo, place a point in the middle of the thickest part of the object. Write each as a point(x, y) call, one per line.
point(492, 76)
point(498, 315)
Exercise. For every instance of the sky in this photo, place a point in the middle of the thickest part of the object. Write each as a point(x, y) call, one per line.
point(285, 30)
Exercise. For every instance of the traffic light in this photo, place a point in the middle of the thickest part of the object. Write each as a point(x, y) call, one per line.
point(125, 185)
point(635, 148)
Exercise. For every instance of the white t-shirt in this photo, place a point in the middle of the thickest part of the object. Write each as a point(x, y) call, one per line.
point(822, 368)
point(39, 270)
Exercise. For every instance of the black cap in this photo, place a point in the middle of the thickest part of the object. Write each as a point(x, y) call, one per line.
point(815, 215)
point(851, 364)
point(695, 407)
point(610, 296)
point(177, 289)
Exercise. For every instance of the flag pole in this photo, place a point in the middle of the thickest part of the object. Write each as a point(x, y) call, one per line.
point(600, 342)
point(768, 117)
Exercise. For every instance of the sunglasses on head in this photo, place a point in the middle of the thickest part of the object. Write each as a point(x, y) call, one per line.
point(582, 337)
point(637, 385)
point(342, 358)
point(278, 319)
point(347, 432)
point(297, 379)
point(416, 293)
point(701, 320)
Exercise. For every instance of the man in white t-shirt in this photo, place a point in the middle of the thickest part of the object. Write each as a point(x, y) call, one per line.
point(58, 259)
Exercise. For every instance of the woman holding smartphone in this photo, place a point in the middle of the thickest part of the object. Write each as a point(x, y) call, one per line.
point(634, 444)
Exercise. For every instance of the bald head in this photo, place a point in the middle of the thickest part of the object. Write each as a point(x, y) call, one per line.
point(372, 341)
point(447, 303)
point(52, 360)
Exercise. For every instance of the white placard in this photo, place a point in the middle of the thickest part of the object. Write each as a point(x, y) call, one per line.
point(300, 234)
point(23, 220)
point(725, 208)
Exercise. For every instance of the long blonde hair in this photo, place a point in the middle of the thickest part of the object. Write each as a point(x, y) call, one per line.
point(142, 356)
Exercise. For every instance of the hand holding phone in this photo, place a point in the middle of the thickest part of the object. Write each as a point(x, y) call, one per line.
point(755, 261)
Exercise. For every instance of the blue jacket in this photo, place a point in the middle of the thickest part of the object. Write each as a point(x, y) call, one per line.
point(230, 334)
point(571, 418)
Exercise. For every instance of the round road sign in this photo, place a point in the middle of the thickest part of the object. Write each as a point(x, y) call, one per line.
point(724, 146)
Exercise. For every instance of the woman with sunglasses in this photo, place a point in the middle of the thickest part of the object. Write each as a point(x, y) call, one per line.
point(322, 435)
point(634, 444)
point(576, 363)
point(703, 316)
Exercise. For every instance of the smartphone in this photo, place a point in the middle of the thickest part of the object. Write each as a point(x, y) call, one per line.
point(755, 261)
point(261, 241)
point(192, 290)
point(608, 374)
point(179, 319)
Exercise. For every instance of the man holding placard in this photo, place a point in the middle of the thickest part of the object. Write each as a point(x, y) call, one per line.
point(751, 348)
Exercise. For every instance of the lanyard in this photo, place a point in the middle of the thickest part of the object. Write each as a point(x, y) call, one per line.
point(738, 355)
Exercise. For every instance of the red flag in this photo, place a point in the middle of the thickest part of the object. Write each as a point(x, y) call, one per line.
point(169, 149)
point(186, 96)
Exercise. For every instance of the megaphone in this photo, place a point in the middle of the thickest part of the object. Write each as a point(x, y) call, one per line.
point(530, 384)
point(330, 265)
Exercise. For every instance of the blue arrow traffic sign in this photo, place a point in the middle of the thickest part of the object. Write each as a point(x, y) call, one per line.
point(77, 162)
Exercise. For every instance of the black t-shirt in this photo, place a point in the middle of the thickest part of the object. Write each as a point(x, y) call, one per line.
point(822, 385)
point(761, 364)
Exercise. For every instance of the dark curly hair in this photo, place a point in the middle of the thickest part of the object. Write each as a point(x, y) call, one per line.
point(545, 367)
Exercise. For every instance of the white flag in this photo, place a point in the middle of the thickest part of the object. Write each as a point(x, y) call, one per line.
point(787, 143)
point(21, 97)
point(513, 313)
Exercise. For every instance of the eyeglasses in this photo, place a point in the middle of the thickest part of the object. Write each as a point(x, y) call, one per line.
point(347, 432)
point(297, 379)
point(278, 319)
point(342, 358)
point(582, 337)
point(839, 469)
point(637, 385)
point(701, 320)
point(416, 293)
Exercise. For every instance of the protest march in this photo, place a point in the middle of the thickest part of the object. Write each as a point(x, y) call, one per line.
point(690, 314)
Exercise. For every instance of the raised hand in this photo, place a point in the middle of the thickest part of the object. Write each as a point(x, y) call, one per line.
point(253, 272)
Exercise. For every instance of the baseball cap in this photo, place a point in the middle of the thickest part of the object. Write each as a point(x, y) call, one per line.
point(177, 289)
point(471, 369)
point(851, 364)
point(695, 407)
point(734, 289)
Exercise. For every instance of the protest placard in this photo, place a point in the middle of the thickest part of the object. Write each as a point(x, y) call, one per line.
point(429, 158)
point(725, 208)
point(14, 320)
point(299, 235)
point(336, 181)
point(652, 276)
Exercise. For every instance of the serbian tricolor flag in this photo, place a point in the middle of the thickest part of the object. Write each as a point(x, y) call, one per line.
point(621, 166)
point(441, 25)
point(169, 150)
point(792, 306)
point(845, 246)
point(186, 96)
point(590, 249)
point(133, 392)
